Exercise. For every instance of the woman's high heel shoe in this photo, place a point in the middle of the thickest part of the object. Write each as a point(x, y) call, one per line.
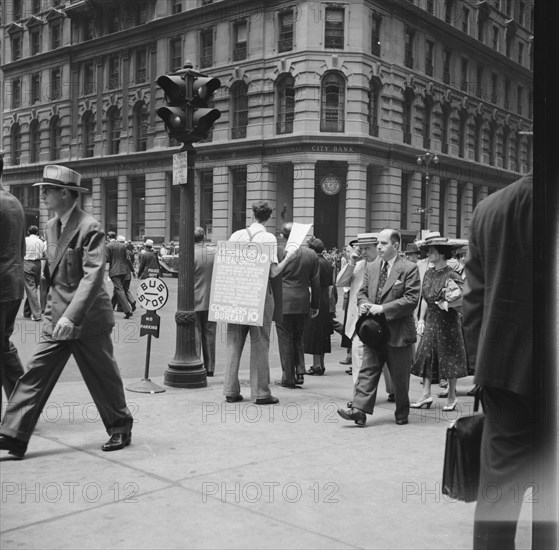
point(423, 403)
point(316, 371)
point(451, 406)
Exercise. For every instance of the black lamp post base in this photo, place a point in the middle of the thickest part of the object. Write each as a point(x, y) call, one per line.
point(185, 376)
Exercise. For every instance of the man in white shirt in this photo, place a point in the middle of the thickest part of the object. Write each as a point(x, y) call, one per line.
point(35, 250)
point(259, 336)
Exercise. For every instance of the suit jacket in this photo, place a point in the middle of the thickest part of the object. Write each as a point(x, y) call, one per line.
point(77, 268)
point(399, 298)
point(297, 276)
point(203, 270)
point(118, 259)
point(352, 276)
point(12, 247)
point(148, 260)
point(498, 295)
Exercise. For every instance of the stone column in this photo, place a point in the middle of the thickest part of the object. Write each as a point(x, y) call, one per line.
point(386, 197)
point(221, 203)
point(452, 196)
point(124, 207)
point(261, 187)
point(355, 201)
point(303, 192)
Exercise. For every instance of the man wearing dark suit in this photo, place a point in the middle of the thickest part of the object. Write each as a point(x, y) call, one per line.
point(390, 292)
point(80, 321)
point(297, 277)
point(12, 251)
point(119, 269)
point(203, 270)
point(498, 327)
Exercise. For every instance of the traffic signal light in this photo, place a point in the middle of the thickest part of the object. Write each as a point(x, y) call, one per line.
point(203, 117)
point(187, 116)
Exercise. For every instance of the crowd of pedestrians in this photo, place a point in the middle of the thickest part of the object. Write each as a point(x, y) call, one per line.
point(402, 316)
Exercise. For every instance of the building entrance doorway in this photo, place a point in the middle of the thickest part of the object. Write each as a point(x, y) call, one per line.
point(329, 201)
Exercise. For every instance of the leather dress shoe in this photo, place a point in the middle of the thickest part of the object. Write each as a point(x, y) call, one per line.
point(402, 422)
point(128, 315)
point(15, 447)
point(117, 442)
point(267, 400)
point(233, 398)
point(299, 379)
point(346, 361)
point(349, 371)
point(391, 398)
point(359, 417)
point(133, 306)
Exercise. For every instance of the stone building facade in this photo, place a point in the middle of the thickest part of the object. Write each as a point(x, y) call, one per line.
point(325, 108)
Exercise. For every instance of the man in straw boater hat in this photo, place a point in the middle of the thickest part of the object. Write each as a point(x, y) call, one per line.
point(389, 294)
point(79, 321)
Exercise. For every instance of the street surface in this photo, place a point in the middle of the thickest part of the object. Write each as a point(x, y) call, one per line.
point(201, 473)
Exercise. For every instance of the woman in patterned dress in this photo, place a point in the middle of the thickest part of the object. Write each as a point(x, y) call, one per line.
point(441, 354)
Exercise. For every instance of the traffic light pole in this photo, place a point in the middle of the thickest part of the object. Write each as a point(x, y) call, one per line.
point(186, 370)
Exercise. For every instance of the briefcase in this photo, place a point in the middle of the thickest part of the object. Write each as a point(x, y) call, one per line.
point(462, 457)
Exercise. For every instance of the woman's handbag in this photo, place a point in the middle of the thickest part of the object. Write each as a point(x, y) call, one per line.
point(462, 457)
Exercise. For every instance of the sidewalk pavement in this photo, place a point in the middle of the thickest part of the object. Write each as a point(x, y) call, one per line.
point(202, 473)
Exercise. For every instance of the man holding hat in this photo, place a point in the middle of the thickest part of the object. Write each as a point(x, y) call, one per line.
point(352, 275)
point(80, 321)
point(389, 294)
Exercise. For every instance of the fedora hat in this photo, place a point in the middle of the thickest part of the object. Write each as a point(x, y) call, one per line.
point(367, 238)
point(148, 243)
point(55, 175)
point(121, 239)
point(371, 331)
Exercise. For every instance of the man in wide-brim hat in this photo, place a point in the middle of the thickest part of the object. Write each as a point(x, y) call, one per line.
point(79, 321)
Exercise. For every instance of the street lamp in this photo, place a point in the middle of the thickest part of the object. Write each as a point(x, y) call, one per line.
point(426, 159)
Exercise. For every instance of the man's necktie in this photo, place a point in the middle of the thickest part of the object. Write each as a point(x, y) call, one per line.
point(382, 280)
point(58, 229)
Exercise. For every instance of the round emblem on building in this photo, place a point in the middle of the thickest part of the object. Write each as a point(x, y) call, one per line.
point(330, 184)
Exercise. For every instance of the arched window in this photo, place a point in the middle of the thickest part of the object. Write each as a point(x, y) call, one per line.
point(15, 143)
point(478, 139)
point(34, 141)
point(374, 106)
point(462, 133)
point(407, 114)
point(140, 126)
point(239, 107)
point(492, 143)
point(88, 134)
point(332, 103)
point(286, 104)
point(55, 137)
point(114, 123)
point(427, 121)
point(445, 127)
point(506, 148)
